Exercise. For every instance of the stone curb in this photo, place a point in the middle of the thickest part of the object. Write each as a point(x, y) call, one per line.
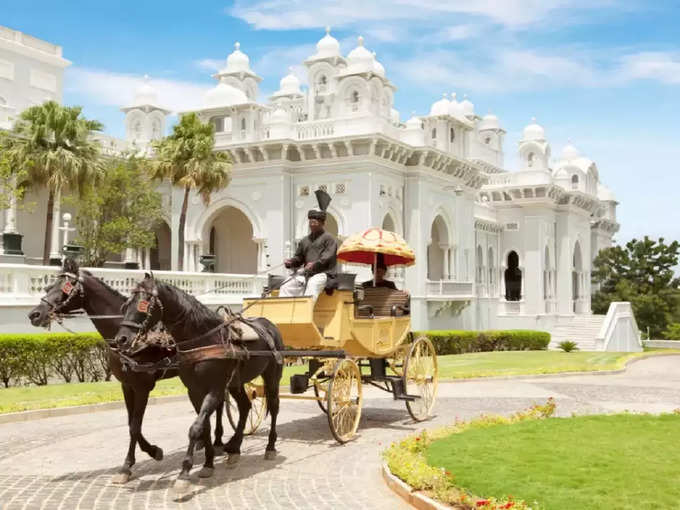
point(408, 494)
point(39, 414)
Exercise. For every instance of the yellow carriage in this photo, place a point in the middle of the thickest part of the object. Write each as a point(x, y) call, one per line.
point(349, 337)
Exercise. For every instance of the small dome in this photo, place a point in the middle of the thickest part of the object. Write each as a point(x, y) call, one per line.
point(467, 107)
point(238, 61)
point(378, 68)
point(279, 116)
point(394, 115)
point(440, 107)
point(328, 46)
point(489, 121)
point(223, 95)
point(145, 93)
point(570, 152)
point(289, 85)
point(533, 132)
point(605, 194)
point(455, 110)
point(414, 122)
point(360, 56)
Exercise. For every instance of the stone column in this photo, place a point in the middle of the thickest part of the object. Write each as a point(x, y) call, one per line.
point(147, 258)
point(55, 249)
point(11, 216)
point(445, 261)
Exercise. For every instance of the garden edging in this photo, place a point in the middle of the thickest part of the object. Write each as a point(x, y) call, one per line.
point(407, 493)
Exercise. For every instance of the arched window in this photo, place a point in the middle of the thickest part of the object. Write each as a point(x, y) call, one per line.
point(480, 266)
point(322, 83)
point(492, 272)
point(574, 181)
point(243, 124)
point(530, 159)
point(434, 133)
point(218, 124)
point(513, 278)
point(487, 140)
point(212, 240)
point(453, 135)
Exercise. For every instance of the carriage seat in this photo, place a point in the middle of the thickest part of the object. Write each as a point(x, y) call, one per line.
point(383, 302)
point(342, 281)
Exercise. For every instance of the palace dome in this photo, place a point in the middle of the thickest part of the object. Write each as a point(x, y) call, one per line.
point(238, 61)
point(605, 194)
point(570, 152)
point(455, 109)
point(440, 107)
point(279, 116)
point(360, 59)
point(467, 107)
point(289, 85)
point(378, 67)
point(328, 46)
point(488, 122)
point(223, 95)
point(533, 132)
point(414, 122)
point(145, 93)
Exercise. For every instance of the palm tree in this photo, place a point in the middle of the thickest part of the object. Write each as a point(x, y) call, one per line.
point(51, 143)
point(187, 159)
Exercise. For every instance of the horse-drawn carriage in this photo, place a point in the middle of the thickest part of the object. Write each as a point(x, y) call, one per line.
point(351, 336)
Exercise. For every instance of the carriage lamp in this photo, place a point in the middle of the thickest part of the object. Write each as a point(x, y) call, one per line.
point(208, 263)
point(69, 250)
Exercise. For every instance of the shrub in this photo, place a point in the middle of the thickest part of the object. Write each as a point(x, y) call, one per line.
point(568, 346)
point(672, 331)
point(459, 342)
point(37, 358)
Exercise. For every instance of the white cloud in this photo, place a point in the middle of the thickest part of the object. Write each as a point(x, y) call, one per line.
point(102, 87)
point(296, 14)
point(660, 66)
point(210, 64)
point(458, 32)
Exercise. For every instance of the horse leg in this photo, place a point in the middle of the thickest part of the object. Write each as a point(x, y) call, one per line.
point(272, 379)
point(233, 446)
point(141, 401)
point(219, 430)
point(124, 473)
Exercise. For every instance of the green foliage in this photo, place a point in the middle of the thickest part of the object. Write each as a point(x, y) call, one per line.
point(187, 158)
point(642, 272)
point(38, 358)
point(459, 342)
point(120, 212)
point(568, 346)
point(672, 331)
point(407, 460)
point(51, 143)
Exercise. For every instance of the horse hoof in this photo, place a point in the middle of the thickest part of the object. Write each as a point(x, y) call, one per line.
point(182, 489)
point(121, 478)
point(159, 454)
point(270, 455)
point(232, 459)
point(206, 472)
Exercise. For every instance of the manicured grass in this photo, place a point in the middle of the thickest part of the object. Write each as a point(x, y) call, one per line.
point(487, 364)
point(619, 461)
point(453, 366)
point(24, 398)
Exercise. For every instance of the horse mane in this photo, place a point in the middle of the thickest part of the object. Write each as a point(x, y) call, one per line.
point(106, 285)
point(195, 317)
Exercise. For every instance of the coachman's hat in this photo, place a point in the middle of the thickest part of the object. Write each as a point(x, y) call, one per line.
point(324, 199)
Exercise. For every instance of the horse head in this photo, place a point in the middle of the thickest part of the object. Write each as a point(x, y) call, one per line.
point(141, 312)
point(63, 296)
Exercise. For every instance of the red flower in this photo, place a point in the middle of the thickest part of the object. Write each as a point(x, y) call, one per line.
point(417, 439)
point(448, 473)
point(509, 504)
point(482, 502)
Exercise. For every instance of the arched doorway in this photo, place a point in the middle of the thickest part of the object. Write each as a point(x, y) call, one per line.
point(438, 252)
point(513, 278)
point(577, 277)
point(161, 253)
point(231, 241)
point(388, 223)
point(480, 270)
point(492, 272)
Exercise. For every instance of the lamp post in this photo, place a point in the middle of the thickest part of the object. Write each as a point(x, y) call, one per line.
point(72, 250)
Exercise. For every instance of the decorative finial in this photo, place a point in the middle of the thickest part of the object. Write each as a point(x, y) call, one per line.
point(328, 29)
point(533, 119)
point(361, 40)
point(237, 45)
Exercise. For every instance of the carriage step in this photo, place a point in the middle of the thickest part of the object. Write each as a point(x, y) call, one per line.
point(399, 391)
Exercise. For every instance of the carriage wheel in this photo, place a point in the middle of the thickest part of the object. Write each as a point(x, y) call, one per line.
point(343, 400)
point(420, 378)
point(258, 409)
point(318, 390)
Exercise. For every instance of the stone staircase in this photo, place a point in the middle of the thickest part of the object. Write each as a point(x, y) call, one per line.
point(582, 329)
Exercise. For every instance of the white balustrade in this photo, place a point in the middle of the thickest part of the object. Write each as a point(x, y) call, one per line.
point(22, 284)
point(314, 129)
point(448, 288)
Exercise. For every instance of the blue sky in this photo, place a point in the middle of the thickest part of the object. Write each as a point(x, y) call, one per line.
point(604, 74)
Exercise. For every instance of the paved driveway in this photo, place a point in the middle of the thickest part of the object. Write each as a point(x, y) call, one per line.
point(67, 462)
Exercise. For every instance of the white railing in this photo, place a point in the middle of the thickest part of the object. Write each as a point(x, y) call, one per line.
point(619, 331)
point(510, 307)
point(580, 306)
point(448, 288)
point(22, 284)
point(314, 129)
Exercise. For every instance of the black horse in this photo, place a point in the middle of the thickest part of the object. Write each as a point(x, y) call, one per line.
point(193, 325)
point(78, 289)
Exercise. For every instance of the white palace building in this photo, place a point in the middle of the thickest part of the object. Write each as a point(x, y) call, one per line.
point(496, 248)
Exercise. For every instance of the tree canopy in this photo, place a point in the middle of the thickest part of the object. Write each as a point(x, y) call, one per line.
point(642, 272)
point(120, 212)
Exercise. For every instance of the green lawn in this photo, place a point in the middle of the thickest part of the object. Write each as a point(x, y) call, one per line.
point(620, 461)
point(481, 364)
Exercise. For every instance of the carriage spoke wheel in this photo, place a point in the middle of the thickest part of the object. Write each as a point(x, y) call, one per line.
point(321, 389)
point(258, 403)
point(420, 378)
point(343, 400)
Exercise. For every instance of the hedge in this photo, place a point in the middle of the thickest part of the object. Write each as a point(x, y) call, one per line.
point(459, 342)
point(40, 358)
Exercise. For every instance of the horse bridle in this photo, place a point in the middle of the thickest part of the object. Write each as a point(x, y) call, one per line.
point(72, 287)
point(146, 306)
